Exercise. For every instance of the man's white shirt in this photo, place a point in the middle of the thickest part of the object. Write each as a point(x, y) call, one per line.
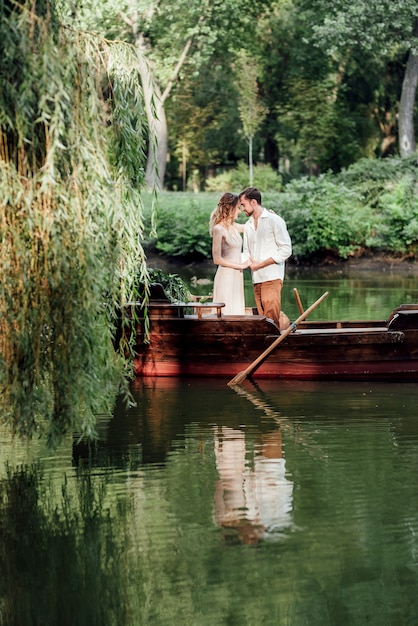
point(271, 239)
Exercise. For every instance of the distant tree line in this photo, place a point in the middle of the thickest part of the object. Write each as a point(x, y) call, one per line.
point(331, 81)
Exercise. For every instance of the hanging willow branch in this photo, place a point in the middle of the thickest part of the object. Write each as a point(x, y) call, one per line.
point(72, 155)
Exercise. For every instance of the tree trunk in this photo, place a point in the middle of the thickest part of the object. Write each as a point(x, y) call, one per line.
point(157, 153)
point(154, 103)
point(250, 159)
point(407, 143)
point(158, 134)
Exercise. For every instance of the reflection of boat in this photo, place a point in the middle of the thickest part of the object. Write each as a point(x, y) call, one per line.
point(194, 339)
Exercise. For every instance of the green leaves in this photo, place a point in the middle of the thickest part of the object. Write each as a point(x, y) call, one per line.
point(185, 232)
point(251, 110)
point(72, 137)
point(365, 24)
point(370, 206)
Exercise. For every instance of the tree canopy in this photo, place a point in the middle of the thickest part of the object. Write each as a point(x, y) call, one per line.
point(384, 29)
point(355, 61)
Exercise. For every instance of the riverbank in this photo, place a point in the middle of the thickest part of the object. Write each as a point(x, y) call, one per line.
point(374, 262)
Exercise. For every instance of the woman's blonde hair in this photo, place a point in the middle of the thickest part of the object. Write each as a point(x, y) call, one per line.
point(225, 210)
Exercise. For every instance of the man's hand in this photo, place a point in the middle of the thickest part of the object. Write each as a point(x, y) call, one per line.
point(258, 265)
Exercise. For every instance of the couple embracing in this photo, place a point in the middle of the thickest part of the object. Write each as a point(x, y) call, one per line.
point(266, 247)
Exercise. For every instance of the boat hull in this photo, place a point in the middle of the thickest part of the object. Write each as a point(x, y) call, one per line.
point(184, 345)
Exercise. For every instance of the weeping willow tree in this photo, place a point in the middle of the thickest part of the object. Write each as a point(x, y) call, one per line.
point(72, 155)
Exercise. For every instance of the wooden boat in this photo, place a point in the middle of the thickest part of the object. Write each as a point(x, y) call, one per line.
point(195, 339)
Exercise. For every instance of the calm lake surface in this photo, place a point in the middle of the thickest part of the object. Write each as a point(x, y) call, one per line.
point(272, 503)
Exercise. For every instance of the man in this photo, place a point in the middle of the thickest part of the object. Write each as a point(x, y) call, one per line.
point(267, 243)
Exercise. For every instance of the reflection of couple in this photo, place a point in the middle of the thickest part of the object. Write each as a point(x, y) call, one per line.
point(253, 498)
point(266, 247)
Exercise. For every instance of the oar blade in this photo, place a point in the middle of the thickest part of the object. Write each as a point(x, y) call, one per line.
point(237, 380)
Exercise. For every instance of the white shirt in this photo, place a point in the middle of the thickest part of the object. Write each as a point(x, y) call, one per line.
point(271, 239)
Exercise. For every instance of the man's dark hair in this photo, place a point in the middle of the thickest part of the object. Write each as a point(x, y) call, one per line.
point(251, 193)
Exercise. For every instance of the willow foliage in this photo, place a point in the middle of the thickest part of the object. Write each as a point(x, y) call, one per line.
point(72, 143)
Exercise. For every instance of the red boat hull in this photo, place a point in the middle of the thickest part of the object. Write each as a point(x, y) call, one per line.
point(188, 345)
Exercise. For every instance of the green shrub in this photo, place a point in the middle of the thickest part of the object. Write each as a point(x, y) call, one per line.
point(185, 230)
point(373, 177)
point(264, 177)
point(323, 216)
point(370, 206)
point(222, 182)
point(397, 217)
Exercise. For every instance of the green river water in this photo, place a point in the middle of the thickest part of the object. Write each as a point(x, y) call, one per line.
point(272, 504)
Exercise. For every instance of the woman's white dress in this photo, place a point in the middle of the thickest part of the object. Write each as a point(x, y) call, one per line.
point(228, 285)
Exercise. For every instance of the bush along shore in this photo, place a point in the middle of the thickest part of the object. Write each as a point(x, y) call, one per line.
point(369, 211)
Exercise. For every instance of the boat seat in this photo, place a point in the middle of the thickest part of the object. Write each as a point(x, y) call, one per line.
point(163, 308)
point(200, 307)
point(158, 299)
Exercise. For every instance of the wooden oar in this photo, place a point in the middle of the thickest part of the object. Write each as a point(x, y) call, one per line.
point(298, 301)
point(243, 375)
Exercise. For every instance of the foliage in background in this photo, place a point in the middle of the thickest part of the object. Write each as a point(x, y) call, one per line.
point(323, 217)
point(398, 213)
point(330, 77)
point(314, 128)
point(369, 207)
point(183, 227)
point(237, 178)
point(390, 188)
point(379, 29)
point(72, 144)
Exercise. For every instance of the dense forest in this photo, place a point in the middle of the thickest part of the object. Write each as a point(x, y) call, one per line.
point(105, 104)
point(306, 86)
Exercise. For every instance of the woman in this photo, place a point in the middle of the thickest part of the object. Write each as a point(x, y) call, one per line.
point(228, 285)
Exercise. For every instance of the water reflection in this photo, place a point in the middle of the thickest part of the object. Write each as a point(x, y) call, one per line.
point(61, 560)
point(272, 503)
point(253, 496)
